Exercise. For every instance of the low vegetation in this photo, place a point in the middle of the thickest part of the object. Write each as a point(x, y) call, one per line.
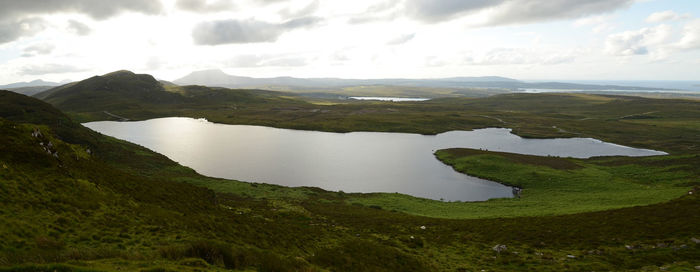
point(101, 204)
point(670, 125)
point(553, 186)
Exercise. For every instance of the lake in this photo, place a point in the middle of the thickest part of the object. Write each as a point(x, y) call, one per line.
point(391, 99)
point(351, 162)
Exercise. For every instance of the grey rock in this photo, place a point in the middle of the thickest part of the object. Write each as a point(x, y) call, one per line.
point(500, 248)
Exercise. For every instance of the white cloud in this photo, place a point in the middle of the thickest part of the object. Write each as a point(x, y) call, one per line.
point(637, 42)
point(38, 49)
point(598, 23)
point(691, 36)
point(51, 68)
point(305, 11)
point(248, 61)
point(592, 20)
point(664, 16)
point(521, 56)
point(378, 12)
point(401, 39)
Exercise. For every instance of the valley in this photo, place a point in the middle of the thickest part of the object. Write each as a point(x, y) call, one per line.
point(103, 204)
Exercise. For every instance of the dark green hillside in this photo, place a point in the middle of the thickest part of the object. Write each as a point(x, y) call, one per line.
point(123, 95)
point(117, 90)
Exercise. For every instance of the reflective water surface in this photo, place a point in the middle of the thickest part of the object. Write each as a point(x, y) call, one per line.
point(351, 162)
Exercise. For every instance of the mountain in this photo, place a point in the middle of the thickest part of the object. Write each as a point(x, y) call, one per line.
point(30, 88)
point(33, 83)
point(219, 78)
point(116, 90)
point(124, 95)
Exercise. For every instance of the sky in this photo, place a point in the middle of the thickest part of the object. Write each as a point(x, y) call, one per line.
point(58, 40)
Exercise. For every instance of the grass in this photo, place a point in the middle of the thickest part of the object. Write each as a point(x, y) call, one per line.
point(125, 208)
point(553, 186)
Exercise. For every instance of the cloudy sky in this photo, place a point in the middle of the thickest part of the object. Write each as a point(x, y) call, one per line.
point(525, 39)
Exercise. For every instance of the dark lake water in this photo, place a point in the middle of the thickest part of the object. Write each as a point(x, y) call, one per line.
point(351, 162)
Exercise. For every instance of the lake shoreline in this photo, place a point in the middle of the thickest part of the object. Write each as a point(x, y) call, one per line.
point(365, 166)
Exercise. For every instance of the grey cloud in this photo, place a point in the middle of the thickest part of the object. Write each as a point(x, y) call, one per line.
point(528, 11)
point(38, 49)
point(18, 18)
point(402, 39)
point(443, 10)
point(505, 12)
point(245, 31)
point(203, 6)
point(50, 69)
point(78, 28)
point(11, 30)
point(97, 9)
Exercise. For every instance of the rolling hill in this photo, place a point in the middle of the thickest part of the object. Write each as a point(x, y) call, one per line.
point(113, 94)
point(120, 89)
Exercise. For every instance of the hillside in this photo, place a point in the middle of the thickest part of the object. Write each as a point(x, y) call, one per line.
point(30, 91)
point(101, 204)
point(121, 89)
point(113, 95)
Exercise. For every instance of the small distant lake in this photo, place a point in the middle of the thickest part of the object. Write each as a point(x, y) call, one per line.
point(392, 99)
point(351, 162)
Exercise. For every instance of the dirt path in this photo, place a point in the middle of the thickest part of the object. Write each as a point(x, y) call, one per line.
point(494, 118)
point(116, 116)
point(636, 114)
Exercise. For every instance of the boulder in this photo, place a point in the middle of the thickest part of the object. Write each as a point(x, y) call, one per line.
point(500, 248)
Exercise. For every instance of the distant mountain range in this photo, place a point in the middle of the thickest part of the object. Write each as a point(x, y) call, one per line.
point(33, 83)
point(218, 78)
point(32, 87)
